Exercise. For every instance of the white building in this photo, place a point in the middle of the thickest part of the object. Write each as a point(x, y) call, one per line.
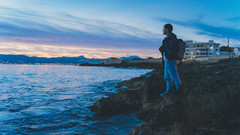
point(201, 49)
point(237, 51)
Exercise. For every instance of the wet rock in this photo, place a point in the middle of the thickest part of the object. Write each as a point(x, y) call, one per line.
point(208, 104)
point(123, 101)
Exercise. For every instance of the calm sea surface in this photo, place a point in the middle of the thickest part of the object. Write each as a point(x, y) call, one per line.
point(38, 99)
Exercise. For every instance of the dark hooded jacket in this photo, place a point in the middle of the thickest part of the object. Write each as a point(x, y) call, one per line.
point(169, 46)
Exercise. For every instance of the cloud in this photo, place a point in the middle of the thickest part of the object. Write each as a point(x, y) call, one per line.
point(41, 50)
point(206, 29)
point(65, 29)
point(233, 19)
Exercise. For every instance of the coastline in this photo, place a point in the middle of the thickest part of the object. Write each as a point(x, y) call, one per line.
point(205, 106)
point(124, 65)
point(64, 92)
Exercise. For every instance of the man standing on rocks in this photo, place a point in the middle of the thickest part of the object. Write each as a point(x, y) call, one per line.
point(168, 50)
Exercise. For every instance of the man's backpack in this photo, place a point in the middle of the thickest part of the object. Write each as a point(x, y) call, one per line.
point(181, 49)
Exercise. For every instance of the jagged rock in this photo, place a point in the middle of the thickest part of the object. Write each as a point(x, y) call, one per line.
point(123, 101)
point(208, 104)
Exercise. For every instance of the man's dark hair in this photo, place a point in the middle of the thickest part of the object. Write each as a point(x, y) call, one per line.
point(169, 27)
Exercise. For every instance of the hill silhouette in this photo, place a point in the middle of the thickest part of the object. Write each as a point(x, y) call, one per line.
point(23, 59)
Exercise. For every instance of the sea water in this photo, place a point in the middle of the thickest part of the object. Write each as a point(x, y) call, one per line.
point(43, 99)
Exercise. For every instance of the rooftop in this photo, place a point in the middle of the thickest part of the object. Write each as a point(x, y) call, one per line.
point(191, 42)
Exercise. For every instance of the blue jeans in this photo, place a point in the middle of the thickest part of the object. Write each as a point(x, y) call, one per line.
point(171, 75)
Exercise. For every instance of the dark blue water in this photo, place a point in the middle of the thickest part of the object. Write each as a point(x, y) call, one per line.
point(38, 99)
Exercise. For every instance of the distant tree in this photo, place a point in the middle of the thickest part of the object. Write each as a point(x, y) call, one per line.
point(150, 58)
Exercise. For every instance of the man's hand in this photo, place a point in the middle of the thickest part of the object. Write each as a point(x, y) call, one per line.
point(167, 60)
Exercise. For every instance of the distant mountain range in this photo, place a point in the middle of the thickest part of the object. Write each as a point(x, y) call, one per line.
point(23, 59)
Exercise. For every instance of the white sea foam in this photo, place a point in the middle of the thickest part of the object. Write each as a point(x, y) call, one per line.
point(51, 99)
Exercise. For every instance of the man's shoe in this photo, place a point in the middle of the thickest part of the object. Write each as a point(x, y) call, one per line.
point(179, 90)
point(164, 93)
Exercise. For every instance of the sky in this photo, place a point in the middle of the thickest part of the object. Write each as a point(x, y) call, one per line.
point(112, 28)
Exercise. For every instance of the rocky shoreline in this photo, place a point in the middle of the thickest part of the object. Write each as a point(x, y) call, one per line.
point(126, 65)
point(208, 105)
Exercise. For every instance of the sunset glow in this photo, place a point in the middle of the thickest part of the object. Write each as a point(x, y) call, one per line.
point(101, 29)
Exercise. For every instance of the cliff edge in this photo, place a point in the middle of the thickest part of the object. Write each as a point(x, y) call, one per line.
point(208, 104)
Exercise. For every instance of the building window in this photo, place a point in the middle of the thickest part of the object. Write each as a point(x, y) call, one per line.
point(210, 53)
point(186, 53)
